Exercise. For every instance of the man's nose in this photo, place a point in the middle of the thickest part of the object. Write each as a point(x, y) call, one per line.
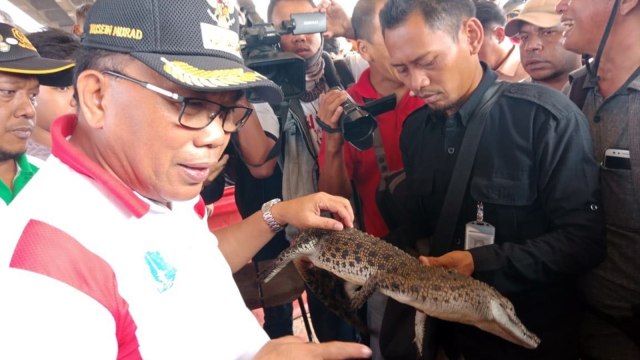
point(561, 7)
point(534, 43)
point(213, 135)
point(418, 81)
point(300, 38)
point(26, 108)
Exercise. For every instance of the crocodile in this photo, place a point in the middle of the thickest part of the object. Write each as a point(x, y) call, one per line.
point(367, 263)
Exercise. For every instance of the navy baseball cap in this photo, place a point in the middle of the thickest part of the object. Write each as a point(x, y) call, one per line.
point(18, 56)
point(193, 43)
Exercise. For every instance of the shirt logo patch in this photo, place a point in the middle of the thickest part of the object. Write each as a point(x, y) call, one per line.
point(163, 273)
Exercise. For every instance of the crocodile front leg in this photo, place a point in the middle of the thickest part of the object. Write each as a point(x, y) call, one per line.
point(286, 256)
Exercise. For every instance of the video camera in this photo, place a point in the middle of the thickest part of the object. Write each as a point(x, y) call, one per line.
point(261, 51)
point(357, 123)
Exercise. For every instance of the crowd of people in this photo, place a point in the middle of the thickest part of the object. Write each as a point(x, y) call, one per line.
point(517, 119)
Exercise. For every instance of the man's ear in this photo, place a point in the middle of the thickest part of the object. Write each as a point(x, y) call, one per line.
point(364, 49)
point(91, 86)
point(626, 6)
point(474, 32)
point(499, 33)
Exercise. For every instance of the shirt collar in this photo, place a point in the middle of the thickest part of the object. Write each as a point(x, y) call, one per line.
point(632, 84)
point(364, 87)
point(488, 78)
point(635, 80)
point(24, 166)
point(64, 127)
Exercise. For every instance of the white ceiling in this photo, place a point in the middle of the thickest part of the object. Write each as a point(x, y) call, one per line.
point(53, 13)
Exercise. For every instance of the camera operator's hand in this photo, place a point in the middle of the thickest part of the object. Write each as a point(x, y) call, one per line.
point(338, 22)
point(329, 111)
point(329, 107)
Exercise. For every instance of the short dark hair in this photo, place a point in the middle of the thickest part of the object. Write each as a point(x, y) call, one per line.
point(364, 14)
point(55, 43)
point(97, 59)
point(489, 13)
point(443, 15)
point(82, 10)
point(273, 3)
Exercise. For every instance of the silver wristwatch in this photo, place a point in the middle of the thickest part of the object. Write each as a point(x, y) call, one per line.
point(268, 217)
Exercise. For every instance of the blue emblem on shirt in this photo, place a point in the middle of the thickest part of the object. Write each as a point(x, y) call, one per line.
point(163, 273)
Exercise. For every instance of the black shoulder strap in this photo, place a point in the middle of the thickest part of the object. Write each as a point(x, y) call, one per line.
point(462, 170)
point(330, 73)
point(346, 77)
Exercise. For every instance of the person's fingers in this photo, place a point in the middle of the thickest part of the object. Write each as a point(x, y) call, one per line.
point(339, 206)
point(424, 260)
point(325, 223)
point(342, 350)
point(329, 107)
point(335, 117)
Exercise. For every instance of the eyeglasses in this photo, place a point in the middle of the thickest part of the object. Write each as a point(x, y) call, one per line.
point(197, 113)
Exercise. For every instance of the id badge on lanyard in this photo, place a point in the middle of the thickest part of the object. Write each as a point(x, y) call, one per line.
point(479, 233)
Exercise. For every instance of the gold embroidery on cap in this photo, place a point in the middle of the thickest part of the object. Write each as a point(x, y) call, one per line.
point(192, 76)
point(22, 39)
point(116, 31)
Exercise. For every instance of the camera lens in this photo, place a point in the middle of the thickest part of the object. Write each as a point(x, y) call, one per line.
point(357, 125)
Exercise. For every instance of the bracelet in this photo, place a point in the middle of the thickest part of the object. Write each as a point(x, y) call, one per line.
point(267, 216)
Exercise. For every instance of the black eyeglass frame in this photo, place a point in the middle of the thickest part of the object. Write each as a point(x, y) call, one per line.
point(222, 113)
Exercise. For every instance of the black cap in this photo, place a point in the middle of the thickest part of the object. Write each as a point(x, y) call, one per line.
point(193, 43)
point(18, 56)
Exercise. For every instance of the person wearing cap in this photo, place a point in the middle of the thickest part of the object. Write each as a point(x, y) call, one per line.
point(129, 269)
point(21, 70)
point(532, 184)
point(538, 31)
point(302, 137)
point(497, 50)
point(51, 101)
point(341, 164)
point(608, 91)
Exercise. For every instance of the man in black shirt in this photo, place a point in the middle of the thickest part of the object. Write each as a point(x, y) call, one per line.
point(534, 175)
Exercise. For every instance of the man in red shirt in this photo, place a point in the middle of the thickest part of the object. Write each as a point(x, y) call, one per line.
point(340, 162)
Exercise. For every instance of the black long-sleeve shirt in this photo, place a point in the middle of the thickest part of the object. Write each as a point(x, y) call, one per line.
point(535, 173)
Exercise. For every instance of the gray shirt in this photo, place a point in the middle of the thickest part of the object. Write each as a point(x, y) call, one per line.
point(614, 286)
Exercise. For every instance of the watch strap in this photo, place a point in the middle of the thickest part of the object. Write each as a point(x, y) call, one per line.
point(267, 216)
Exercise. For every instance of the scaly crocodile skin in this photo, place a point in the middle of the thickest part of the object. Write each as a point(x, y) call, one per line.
point(364, 260)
